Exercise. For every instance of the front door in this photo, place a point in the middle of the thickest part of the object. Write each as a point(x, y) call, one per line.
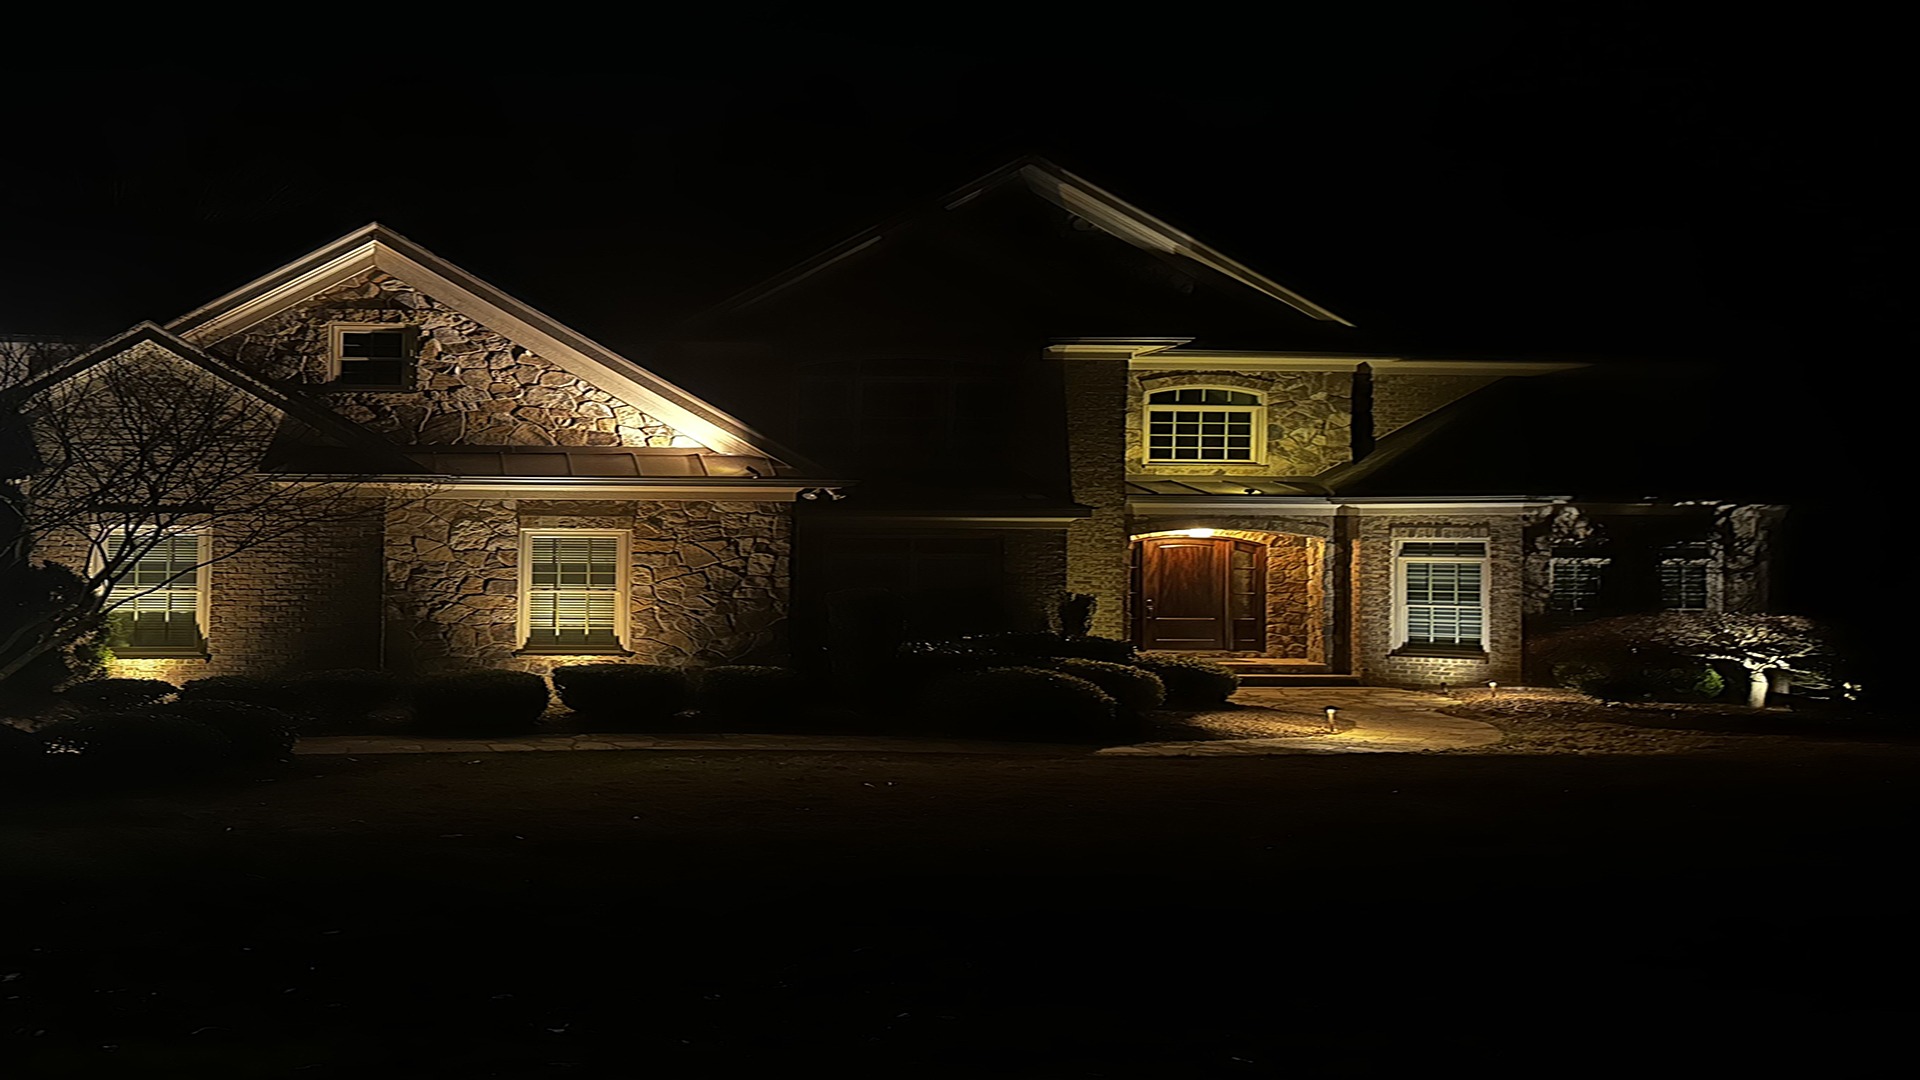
point(1199, 594)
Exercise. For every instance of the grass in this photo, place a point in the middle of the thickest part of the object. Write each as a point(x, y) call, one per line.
point(566, 914)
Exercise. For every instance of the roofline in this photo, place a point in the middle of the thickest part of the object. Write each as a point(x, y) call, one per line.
point(1330, 505)
point(1114, 216)
point(376, 246)
point(563, 488)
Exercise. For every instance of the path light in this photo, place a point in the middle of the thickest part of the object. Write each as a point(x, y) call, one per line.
point(1331, 710)
point(1445, 690)
point(1493, 689)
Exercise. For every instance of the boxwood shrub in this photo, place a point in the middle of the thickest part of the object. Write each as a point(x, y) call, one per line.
point(139, 742)
point(476, 703)
point(250, 689)
point(752, 695)
point(253, 732)
point(345, 699)
point(1042, 644)
point(1019, 703)
point(1134, 689)
point(1192, 683)
point(117, 695)
point(1655, 681)
point(616, 696)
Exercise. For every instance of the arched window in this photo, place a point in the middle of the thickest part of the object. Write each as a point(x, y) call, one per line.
point(1195, 425)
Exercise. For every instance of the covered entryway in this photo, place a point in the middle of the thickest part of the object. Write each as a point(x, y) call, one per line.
point(1196, 593)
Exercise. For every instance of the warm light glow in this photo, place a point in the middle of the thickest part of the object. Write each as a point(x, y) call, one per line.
point(1196, 532)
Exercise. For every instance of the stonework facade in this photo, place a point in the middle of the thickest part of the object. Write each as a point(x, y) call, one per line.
point(470, 384)
point(1309, 421)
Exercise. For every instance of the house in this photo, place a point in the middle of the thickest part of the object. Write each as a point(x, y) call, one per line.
point(1026, 388)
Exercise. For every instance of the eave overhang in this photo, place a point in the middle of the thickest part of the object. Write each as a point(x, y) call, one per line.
point(1331, 506)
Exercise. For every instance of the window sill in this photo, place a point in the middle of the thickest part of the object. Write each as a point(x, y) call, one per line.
point(548, 650)
point(1442, 652)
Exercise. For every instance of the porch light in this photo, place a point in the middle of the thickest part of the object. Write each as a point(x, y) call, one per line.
point(1196, 532)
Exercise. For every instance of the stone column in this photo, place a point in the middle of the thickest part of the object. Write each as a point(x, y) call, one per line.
point(1096, 419)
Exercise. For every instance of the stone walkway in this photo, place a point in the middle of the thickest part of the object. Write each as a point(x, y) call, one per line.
point(1385, 721)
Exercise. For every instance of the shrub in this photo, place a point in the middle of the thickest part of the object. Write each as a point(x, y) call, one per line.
point(1045, 644)
point(249, 689)
point(253, 732)
point(1192, 683)
point(1020, 703)
point(1656, 679)
point(134, 742)
point(346, 698)
point(117, 695)
point(764, 696)
point(485, 702)
point(1134, 689)
point(21, 753)
point(641, 694)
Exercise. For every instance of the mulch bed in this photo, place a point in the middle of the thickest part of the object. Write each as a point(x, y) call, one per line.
point(1557, 721)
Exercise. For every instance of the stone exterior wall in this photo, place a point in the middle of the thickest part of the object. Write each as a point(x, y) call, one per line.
point(1399, 400)
point(1309, 421)
point(471, 385)
point(1096, 394)
point(1036, 575)
point(709, 581)
point(1374, 599)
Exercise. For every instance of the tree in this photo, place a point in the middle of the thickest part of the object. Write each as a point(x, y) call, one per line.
point(105, 455)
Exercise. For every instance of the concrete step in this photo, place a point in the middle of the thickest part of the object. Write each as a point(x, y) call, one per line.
point(1248, 678)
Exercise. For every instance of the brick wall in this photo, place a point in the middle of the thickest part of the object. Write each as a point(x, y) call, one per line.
point(1375, 602)
point(1096, 409)
point(1399, 400)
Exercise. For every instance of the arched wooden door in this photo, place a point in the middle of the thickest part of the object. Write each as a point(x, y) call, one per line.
point(1199, 594)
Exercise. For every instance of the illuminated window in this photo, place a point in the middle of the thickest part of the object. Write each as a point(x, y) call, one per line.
point(573, 590)
point(1196, 425)
point(1576, 583)
point(366, 356)
point(157, 605)
point(1442, 588)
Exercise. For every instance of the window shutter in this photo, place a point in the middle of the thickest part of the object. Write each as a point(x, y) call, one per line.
point(157, 598)
point(573, 591)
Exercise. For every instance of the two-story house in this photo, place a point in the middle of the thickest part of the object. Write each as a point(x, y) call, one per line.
point(1026, 388)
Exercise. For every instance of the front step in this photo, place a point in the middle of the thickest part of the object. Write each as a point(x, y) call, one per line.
point(1272, 671)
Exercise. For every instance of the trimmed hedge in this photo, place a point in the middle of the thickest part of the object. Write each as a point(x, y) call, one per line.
point(138, 742)
point(1191, 683)
point(345, 698)
point(1674, 681)
point(763, 697)
point(1041, 644)
point(618, 695)
point(117, 695)
point(484, 702)
point(253, 732)
point(1020, 703)
point(1133, 688)
point(249, 689)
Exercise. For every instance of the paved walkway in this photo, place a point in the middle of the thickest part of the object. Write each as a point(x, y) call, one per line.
point(1385, 721)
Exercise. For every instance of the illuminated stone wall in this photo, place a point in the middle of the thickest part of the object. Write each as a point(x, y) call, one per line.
point(1300, 623)
point(1309, 421)
point(709, 581)
point(471, 385)
point(1096, 393)
point(1399, 400)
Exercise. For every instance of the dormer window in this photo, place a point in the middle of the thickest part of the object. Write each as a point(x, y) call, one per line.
point(1196, 425)
point(371, 357)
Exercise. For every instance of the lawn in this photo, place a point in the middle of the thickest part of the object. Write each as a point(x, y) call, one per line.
point(616, 913)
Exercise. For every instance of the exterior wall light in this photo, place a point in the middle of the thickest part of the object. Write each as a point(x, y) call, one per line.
point(1197, 532)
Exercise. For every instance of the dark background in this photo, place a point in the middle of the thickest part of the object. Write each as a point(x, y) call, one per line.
point(1621, 183)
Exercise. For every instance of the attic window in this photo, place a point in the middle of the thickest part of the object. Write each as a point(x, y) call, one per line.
point(368, 357)
point(1201, 424)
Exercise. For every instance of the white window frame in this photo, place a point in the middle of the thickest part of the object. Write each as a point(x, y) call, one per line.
point(1599, 562)
point(1258, 414)
point(623, 593)
point(336, 347)
point(1400, 562)
point(202, 590)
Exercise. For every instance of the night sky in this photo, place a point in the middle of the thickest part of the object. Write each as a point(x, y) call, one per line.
point(1484, 180)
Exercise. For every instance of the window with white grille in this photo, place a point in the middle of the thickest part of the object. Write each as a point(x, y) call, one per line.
point(1576, 583)
point(372, 357)
point(1684, 572)
point(1443, 593)
point(574, 591)
point(1196, 425)
point(157, 604)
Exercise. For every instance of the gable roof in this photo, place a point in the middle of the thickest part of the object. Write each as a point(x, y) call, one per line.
point(369, 447)
point(1108, 212)
point(376, 247)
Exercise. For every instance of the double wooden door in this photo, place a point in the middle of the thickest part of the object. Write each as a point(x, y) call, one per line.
point(1199, 594)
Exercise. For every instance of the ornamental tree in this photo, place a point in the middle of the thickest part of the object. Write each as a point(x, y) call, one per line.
point(1760, 644)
